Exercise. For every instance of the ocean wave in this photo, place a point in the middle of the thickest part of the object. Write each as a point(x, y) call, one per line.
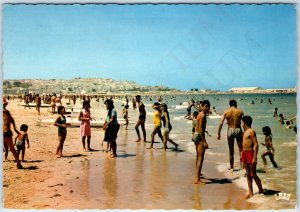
point(178, 117)
point(290, 144)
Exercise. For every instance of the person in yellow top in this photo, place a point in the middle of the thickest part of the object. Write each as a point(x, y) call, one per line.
point(157, 123)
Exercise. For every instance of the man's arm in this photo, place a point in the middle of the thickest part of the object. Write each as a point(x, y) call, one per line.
point(220, 126)
point(255, 147)
point(13, 123)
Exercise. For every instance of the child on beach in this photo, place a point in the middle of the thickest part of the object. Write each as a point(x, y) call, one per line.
point(249, 155)
point(268, 143)
point(85, 126)
point(142, 118)
point(167, 126)
point(157, 123)
point(125, 113)
point(61, 123)
point(199, 138)
point(20, 141)
point(111, 127)
point(281, 118)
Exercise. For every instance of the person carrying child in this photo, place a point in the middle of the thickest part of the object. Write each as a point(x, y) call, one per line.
point(20, 141)
point(268, 144)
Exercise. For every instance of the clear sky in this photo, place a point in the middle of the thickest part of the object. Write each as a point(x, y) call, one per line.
point(181, 46)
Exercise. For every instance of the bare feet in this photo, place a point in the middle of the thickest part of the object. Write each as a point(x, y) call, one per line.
point(198, 181)
point(113, 156)
point(19, 165)
point(249, 196)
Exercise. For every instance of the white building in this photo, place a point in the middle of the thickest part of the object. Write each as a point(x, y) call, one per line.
point(246, 90)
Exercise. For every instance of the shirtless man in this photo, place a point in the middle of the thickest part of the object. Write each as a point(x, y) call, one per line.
point(142, 118)
point(199, 138)
point(233, 115)
point(8, 135)
point(38, 102)
point(53, 106)
point(249, 155)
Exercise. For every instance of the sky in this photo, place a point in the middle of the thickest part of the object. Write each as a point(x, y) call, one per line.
point(181, 46)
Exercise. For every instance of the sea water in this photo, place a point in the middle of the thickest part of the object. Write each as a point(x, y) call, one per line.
point(261, 108)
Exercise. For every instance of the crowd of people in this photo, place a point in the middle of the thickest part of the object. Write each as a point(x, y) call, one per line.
point(236, 120)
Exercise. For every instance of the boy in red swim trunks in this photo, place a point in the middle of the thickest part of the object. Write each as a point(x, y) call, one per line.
point(249, 155)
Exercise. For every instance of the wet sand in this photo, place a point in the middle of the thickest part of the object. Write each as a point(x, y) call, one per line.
point(138, 178)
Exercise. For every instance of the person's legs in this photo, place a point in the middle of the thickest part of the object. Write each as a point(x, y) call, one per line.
point(263, 156)
point(144, 130)
point(159, 134)
point(256, 178)
point(272, 160)
point(230, 141)
point(249, 180)
point(89, 143)
point(8, 141)
point(138, 123)
point(83, 142)
point(5, 149)
point(154, 131)
point(23, 153)
point(200, 157)
point(114, 148)
point(62, 143)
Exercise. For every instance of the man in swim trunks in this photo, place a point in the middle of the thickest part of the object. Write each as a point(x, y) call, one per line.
point(53, 106)
point(142, 118)
point(233, 115)
point(249, 155)
point(199, 138)
point(8, 135)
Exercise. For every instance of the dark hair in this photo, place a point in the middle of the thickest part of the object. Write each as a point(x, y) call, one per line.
point(276, 108)
point(267, 130)
point(165, 107)
point(247, 120)
point(205, 102)
point(280, 115)
point(288, 122)
point(195, 113)
point(126, 106)
point(24, 127)
point(85, 103)
point(232, 102)
point(59, 109)
point(110, 104)
point(138, 97)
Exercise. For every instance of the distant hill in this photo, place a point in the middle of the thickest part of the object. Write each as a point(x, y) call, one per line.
point(77, 85)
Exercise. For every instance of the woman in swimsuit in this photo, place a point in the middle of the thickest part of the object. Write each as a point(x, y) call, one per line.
point(61, 123)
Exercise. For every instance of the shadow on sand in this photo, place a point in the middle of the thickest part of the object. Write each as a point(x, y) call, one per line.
point(30, 168)
point(74, 156)
point(126, 155)
point(218, 180)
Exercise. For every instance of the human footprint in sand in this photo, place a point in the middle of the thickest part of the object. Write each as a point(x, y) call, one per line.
point(199, 138)
point(61, 123)
point(249, 155)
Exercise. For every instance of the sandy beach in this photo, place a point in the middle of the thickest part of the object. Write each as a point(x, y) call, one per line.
point(138, 178)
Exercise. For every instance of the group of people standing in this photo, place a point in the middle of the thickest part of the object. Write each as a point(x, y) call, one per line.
point(246, 140)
